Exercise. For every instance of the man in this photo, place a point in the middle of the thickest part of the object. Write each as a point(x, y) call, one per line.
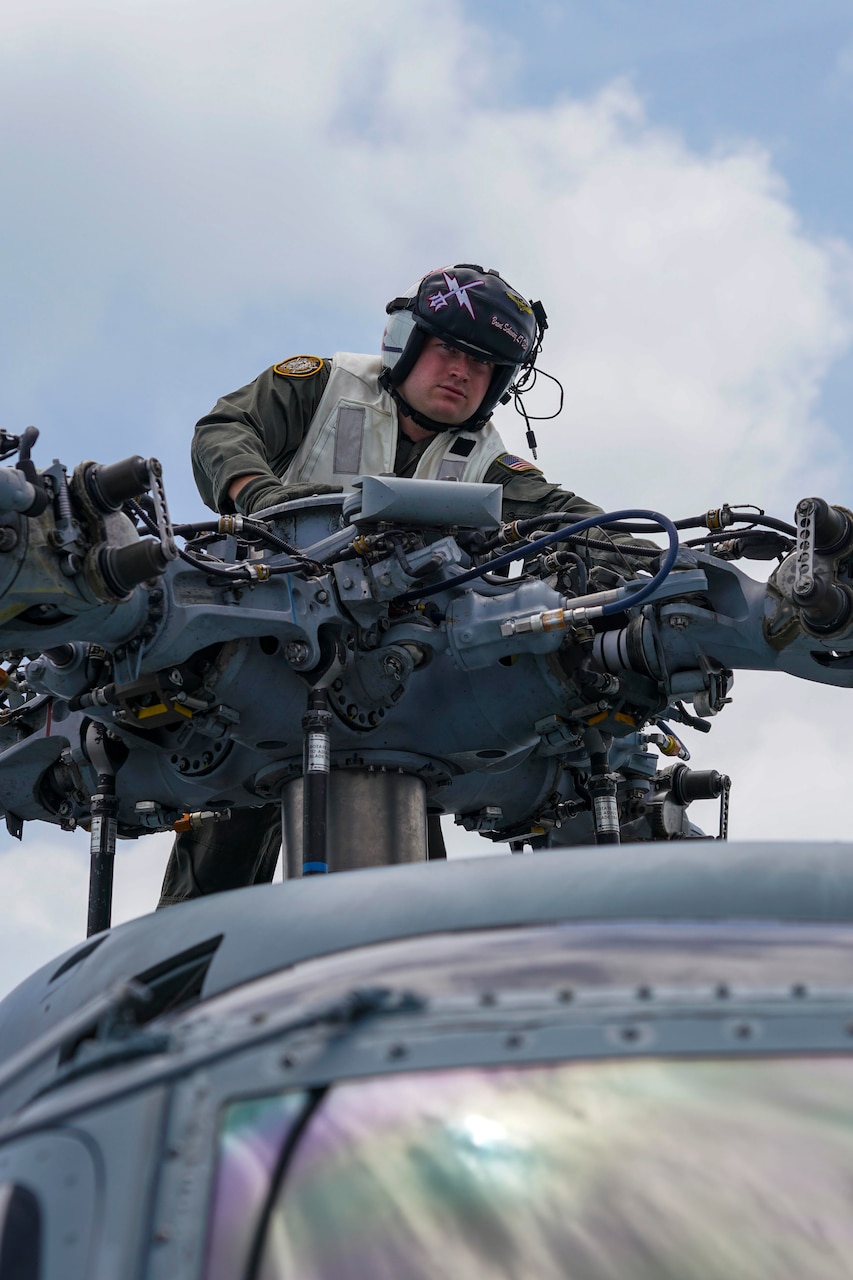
point(453, 347)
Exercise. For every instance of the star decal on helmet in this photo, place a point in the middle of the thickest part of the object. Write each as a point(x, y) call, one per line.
point(457, 291)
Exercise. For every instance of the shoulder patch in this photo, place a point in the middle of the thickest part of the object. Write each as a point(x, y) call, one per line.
point(298, 367)
point(512, 463)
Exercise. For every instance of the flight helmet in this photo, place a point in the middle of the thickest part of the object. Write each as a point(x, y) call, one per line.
point(473, 310)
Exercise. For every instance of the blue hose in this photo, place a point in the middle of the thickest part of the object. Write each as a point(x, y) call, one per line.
point(559, 535)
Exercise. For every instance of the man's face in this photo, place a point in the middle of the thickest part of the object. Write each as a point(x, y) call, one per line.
point(446, 384)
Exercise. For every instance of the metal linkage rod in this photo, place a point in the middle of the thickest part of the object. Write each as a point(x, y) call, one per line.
point(315, 781)
point(102, 840)
point(602, 790)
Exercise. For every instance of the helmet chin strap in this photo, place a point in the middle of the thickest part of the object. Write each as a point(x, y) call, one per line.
point(474, 423)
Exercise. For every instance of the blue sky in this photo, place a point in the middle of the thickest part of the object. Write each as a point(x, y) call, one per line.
point(776, 72)
point(193, 191)
point(771, 70)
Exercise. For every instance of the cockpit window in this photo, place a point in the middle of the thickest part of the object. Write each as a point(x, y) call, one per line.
point(720, 1169)
point(20, 1233)
point(252, 1137)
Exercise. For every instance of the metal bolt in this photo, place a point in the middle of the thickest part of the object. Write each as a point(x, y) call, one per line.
point(678, 621)
point(393, 666)
point(297, 653)
point(347, 583)
point(321, 596)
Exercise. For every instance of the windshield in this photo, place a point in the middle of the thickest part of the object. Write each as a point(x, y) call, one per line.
point(728, 1169)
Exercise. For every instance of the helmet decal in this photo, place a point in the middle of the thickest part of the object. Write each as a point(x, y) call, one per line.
point(455, 290)
point(520, 302)
point(506, 327)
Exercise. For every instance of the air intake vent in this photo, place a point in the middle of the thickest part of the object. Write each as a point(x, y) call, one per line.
point(165, 987)
point(176, 982)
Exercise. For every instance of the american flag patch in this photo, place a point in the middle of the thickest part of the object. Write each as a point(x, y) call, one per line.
point(516, 464)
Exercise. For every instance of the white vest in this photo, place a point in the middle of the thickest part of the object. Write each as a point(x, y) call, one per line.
point(354, 433)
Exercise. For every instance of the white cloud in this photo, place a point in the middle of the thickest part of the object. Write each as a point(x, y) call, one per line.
point(44, 892)
point(210, 160)
point(200, 161)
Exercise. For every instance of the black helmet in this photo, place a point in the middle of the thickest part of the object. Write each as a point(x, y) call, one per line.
point(469, 308)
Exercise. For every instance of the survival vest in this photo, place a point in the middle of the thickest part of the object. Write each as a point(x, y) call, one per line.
point(354, 432)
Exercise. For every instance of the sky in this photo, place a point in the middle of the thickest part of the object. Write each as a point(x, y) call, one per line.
point(194, 191)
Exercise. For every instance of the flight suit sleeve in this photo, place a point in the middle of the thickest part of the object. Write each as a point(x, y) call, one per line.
point(253, 431)
point(527, 493)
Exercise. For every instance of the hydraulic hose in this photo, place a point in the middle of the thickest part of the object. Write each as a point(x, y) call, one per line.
point(598, 544)
point(689, 522)
point(560, 535)
point(701, 522)
point(235, 573)
point(251, 528)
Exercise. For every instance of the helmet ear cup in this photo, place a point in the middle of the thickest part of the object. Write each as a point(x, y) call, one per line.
point(398, 329)
point(502, 379)
point(402, 343)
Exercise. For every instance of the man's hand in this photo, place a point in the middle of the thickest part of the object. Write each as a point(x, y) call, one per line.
point(262, 491)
